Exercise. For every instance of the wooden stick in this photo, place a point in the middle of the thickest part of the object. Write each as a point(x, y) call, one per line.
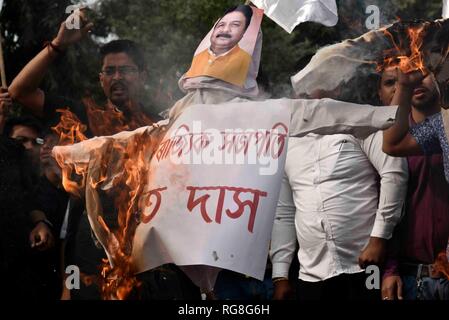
point(2, 64)
point(247, 2)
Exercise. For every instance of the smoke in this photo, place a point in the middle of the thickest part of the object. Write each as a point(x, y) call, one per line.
point(358, 16)
point(349, 70)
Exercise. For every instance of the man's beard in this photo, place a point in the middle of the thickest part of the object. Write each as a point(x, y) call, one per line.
point(426, 104)
point(123, 99)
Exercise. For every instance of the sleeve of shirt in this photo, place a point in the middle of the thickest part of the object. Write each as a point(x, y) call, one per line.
point(393, 174)
point(283, 239)
point(327, 116)
point(426, 134)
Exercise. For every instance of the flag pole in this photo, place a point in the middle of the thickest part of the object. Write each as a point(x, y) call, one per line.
point(2, 64)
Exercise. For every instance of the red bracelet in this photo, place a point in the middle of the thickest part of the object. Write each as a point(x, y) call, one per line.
point(54, 47)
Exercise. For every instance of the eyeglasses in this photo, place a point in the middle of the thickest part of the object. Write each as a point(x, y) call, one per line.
point(34, 141)
point(122, 70)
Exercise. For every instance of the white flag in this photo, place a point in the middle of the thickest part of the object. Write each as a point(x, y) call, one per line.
point(289, 13)
point(445, 9)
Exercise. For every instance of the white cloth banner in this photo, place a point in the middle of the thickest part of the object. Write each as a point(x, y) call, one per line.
point(445, 9)
point(216, 180)
point(289, 13)
point(210, 189)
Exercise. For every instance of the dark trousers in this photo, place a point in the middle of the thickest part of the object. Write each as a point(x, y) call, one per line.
point(235, 286)
point(344, 287)
point(167, 282)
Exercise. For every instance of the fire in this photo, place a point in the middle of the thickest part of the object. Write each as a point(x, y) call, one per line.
point(441, 264)
point(108, 120)
point(119, 281)
point(70, 130)
point(117, 222)
point(406, 55)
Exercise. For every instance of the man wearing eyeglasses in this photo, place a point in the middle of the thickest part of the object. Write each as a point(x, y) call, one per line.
point(122, 77)
point(26, 130)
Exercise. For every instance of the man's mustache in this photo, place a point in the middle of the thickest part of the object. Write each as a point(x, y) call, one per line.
point(224, 35)
point(118, 85)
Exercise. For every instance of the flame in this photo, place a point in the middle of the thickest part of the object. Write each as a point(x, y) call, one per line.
point(441, 264)
point(407, 57)
point(70, 130)
point(108, 120)
point(118, 279)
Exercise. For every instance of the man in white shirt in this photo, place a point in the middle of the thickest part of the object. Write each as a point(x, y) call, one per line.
point(330, 202)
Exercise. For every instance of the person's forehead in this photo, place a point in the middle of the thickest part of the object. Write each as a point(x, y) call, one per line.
point(118, 59)
point(23, 131)
point(233, 16)
point(389, 72)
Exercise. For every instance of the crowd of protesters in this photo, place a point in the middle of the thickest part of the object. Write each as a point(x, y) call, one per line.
point(344, 203)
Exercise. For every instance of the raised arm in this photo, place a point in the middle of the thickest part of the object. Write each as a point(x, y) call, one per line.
point(25, 86)
point(397, 140)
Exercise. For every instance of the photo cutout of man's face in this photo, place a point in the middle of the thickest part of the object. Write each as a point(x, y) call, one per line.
point(228, 31)
point(226, 51)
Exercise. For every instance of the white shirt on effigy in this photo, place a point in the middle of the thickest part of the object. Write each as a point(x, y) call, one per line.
point(330, 202)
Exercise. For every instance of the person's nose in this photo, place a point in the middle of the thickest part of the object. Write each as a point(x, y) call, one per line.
point(28, 145)
point(117, 75)
point(46, 147)
point(227, 28)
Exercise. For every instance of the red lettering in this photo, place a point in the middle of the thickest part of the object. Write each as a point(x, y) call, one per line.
point(157, 193)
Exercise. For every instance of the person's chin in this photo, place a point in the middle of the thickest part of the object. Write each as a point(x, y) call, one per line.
point(420, 102)
point(119, 101)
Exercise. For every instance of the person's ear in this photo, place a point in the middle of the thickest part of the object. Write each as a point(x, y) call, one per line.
point(101, 79)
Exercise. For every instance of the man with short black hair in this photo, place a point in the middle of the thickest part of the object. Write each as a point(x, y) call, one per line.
point(225, 59)
point(229, 30)
point(424, 231)
point(122, 77)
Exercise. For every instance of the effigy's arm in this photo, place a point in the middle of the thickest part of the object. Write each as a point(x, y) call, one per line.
point(327, 116)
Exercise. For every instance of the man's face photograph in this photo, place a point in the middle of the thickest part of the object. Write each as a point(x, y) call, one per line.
point(228, 32)
point(226, 53)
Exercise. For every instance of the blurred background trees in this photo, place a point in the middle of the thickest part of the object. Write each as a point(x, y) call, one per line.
point(170, 31)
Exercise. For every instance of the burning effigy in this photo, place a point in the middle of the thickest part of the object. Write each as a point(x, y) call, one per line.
point(352, 66)
point(199, 189)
